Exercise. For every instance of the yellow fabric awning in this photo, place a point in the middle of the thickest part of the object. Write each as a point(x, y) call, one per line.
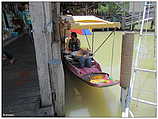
point(89, 22)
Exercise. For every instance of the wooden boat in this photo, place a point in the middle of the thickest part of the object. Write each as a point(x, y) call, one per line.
point(93, 76)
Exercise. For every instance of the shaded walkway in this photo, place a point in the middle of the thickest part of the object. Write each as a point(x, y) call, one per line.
point(20, 88)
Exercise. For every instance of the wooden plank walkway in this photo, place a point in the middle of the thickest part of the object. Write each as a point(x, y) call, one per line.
point(20, 90)
point(10, 40)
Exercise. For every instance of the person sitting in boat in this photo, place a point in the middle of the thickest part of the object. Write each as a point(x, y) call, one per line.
point(79, 54)
point(74, 42)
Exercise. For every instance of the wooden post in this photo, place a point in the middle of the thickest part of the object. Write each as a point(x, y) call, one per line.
point(45, 18)
point(126, 66)
point(57, 72)
point(40, 42)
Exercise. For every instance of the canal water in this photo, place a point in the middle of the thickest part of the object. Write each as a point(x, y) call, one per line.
point(83, 100)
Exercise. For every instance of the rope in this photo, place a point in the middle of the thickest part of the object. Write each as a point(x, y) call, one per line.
point(87, 41)
point(104, 41)
point(92, 40)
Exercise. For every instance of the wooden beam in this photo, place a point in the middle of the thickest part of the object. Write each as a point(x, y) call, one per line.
point(41, 48)
point(57, 69)
point(126, 68)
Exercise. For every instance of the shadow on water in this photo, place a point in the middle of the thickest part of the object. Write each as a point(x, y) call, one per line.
point(87, 101)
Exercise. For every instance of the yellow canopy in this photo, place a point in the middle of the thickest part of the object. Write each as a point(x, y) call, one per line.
point(89, 22)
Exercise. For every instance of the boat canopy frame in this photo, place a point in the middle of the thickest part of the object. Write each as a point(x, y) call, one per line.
point(90, 22)
point(112, 32)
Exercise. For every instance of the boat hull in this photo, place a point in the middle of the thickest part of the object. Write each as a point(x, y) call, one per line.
point(86, 74)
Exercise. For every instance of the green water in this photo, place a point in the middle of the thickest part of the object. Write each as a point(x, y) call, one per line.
point(86, 101)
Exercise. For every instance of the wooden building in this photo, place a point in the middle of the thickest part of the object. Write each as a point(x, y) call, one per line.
point(47, 42)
